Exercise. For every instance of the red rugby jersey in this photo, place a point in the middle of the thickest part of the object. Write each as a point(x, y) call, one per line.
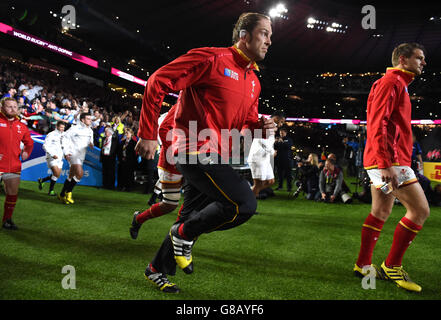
point(12, 132)
point(220, 91)
point(166, 128)
point(389, 131)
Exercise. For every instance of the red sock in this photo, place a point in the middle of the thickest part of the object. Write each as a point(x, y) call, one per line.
point(152, 212)
point(9, 206)
point(181, 231)
point(153, 268)
point(405, 232)
point(179, 212)
point(369, 235)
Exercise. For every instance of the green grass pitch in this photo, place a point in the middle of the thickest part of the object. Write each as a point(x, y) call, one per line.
point(291, 250)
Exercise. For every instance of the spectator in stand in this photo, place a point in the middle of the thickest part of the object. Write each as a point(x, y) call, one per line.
point(24, 95)
point(108, 158)
point(11, 93)
point(96, 119)
point(126, 160)
point(68, 116)
point(117, 126)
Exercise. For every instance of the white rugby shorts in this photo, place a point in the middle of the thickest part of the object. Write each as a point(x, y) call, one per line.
point(261, 170)
point(405, 176)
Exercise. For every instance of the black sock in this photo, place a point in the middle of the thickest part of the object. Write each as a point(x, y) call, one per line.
point(65, 187)
point(71, 185)
point(46, 179)
point(52, 185)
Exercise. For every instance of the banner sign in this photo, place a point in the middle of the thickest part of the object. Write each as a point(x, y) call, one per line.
point(432, 170)
point(47, 45)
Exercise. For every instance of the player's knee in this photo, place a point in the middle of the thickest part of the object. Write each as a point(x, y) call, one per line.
point(171, 197)
point(381, 213)
point(425, 212)
point(167, 207)
point(248, 205)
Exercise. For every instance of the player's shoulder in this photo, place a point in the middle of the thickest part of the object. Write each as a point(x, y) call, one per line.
point(387, 82)
point(212, 52)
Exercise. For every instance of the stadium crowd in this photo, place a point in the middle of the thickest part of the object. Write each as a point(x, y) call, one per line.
point(45, 97)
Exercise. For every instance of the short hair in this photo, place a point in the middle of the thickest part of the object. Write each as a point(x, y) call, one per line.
point(59, 123)
point(405, 49)
point(83, 115)
point(284, 129)
point(247, 21)
point(279, 114)
point(3, 101)
point(129, 130)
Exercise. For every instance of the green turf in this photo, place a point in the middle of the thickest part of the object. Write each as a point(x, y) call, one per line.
point(293, 249)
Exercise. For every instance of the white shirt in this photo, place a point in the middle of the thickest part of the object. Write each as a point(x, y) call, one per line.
point(77, 139)
point(261, 149)
point(52, 144)
point(107, 144)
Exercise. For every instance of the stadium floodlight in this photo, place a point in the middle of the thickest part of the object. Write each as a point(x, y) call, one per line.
point(311, 20)
point(273, 13)
point(278, 11)
point(281, 8)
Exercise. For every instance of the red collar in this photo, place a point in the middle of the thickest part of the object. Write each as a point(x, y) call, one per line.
point(407, 76)
point(243, 59)
point(4, 116)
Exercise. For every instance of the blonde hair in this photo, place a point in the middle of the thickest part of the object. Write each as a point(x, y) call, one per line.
point(2, 101)
point(315, 161)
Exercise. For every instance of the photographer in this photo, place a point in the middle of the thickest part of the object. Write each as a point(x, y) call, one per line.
point(308, 182)
point(351, 148)
point(331, 182)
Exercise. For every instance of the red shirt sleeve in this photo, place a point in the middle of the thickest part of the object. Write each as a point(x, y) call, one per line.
point(177, 75)
point(27, 141)
point(382, 105)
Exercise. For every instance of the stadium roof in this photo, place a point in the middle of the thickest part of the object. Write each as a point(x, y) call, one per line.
point(154, 32)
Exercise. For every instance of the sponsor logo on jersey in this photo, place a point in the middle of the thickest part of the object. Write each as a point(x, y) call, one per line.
point(231, 74)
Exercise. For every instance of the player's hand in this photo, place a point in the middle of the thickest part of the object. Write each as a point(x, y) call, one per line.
point(268, 126)
point(91, 146)
point(146, 148)
point(323, 196)
point(332, 198)
point(24, 155)
point(389, 175)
